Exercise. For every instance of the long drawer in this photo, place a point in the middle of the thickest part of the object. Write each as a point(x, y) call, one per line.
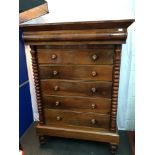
point(83, 104)
point(76, 88)
point(76, 118)
point(71, 72)
point(75, 56)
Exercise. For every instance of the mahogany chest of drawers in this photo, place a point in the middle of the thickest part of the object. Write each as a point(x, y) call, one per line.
point(76, 70)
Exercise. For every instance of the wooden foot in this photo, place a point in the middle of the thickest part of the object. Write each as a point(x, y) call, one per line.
point(42, 140)
point(113, 148)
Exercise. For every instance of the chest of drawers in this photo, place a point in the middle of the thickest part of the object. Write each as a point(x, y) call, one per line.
point(76, 70)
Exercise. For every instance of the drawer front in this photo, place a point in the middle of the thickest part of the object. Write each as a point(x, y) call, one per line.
point(98, 72)
point(76, 88)
point(82, 104)
point(76, 118)
point(75, 56)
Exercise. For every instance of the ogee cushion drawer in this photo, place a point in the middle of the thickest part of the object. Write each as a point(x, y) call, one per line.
point(77, 72)
point(83, 104)
point(76, 118)
point(76, 88)
point(75, 56)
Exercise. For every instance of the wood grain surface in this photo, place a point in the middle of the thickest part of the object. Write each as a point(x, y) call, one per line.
point(82, 104)
point(76, 72)
point(75, 56)
point(79, 132)
point(76, 118)
point(76, 88)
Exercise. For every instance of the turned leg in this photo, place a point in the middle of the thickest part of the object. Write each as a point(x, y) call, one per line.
point(41, 139)
point(113, 148)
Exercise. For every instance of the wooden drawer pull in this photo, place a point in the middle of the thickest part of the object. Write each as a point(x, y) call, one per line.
point(93, 121)
point(94, 73)
point(93, 106)
point(56, 88)
point(55, 72)
point(57, 103)
point(93, 90)
point(54, 56)
point(58, 118)
point(94, 57)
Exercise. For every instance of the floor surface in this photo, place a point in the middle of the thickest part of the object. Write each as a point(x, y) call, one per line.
point(62, 146)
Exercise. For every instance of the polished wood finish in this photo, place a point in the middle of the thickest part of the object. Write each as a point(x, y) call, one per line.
point(102, 55)
point(115, 87)
point(76, 70)
point(106, 24)
point(82, 104)
point(100, 32)
point(80, 43)
point(66, 117)
point(37, 84)
point(77, 88)
point(79, 132)
point(78, 35)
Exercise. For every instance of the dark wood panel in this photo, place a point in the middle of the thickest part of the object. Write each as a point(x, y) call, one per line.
point(83, 104)
point(79, 132)
point(77, 35)
point(76, 88)
point(75, 56)
point(76, 118)
point(74, 43)
point(78, 25)
point(93, 31)
point(76, 47)
point(76, 72)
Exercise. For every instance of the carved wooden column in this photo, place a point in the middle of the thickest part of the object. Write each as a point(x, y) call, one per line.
point(37, 83)
point(37, 89)
point(116, 73)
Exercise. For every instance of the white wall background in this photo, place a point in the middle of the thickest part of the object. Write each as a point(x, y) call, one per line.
point(91, 10)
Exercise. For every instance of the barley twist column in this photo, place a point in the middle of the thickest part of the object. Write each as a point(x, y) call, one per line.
point(37, 84)
point(116, 73)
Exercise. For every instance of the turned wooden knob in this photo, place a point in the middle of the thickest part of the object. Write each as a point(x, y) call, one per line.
point(57, 103)
point(93, 106)
point(93, 121)
point(94, 73)
point(55, 72)
point(94, 57)
point(93, 90)
point(58, 118)
point(54, 56)
point(56, 88)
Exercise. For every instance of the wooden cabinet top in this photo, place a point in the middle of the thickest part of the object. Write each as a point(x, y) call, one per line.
point(102, 32)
